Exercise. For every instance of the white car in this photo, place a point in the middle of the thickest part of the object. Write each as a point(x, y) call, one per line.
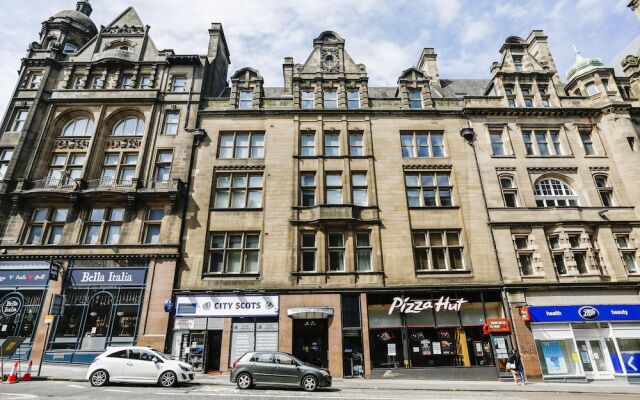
point(135, 364)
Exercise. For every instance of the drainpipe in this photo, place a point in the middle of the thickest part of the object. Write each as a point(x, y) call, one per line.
point(469, 136)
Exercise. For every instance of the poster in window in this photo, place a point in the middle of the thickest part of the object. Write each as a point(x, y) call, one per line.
point(554, 358)
point(425, 344)
point(436, 348)
point(446, 347)
point(478, 347)
point(391, 349)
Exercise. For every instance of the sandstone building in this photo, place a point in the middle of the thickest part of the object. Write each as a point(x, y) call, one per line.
point(415, 231)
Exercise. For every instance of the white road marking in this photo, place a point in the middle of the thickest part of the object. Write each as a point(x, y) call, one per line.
point(117, 391)
point(77, 386)
point(285, 396)
point(17, 396)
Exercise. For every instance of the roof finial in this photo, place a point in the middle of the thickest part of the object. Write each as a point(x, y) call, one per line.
point(84, 7)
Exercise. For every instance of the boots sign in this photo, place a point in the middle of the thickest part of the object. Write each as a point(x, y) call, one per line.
point(11, 304)
point(408, 306)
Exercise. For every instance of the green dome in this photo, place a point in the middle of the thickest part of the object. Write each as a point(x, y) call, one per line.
point(582, 65)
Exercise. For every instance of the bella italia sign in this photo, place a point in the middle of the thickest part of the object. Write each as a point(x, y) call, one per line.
point(108, 277)
point(409, 306)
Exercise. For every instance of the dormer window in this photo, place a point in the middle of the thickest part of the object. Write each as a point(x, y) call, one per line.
point(246, 100)
point(308, 99)
point(415, 99)
point(69, 48)
point(179, 84)
point(592, 90)
point(330, 99)
point(353, 99)
point(517, 63)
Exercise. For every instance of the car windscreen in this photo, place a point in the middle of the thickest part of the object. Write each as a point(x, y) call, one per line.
point(162, 355)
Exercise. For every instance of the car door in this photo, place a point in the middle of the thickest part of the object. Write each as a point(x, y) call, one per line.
point(114, 364)
point(140, 367)
point(262, 367)
point(286, 370)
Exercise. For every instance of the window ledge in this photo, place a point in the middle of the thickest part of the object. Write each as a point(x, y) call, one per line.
point(550, 156)
point(230, 276)
point(596, 156)
point(330, 157)
point(434, 208)
point(504, 156)
point(532, 277)
point(236, 209)
point(444, 272)
point(335, 273)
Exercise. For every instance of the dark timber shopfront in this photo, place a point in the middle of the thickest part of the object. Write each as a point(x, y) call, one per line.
point(438, 335)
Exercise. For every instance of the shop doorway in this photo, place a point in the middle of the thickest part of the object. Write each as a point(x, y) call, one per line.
point(310, 341)
point(594, 359)
point(214, 344)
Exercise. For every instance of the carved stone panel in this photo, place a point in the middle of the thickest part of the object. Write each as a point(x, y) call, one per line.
point(71, 144)
point(124, 143)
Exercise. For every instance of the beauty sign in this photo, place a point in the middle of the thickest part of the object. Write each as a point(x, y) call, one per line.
point(410, 306)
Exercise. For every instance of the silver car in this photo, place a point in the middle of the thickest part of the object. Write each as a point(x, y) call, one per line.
point(275, 368)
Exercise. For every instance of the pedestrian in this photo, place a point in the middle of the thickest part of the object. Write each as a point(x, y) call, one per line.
point(517, 369)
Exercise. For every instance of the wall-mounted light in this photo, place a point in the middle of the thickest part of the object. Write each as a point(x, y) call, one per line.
point(468, 134)
point(198, 135)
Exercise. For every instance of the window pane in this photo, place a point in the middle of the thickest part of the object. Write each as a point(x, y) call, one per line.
point(360, 197)
point(251, 262)
point(237, 198)
point(40, 214)
point(419, 240)
point(364, 260)
point(156, 214)
point(334, 196)
point(60, 215)
point(56, 234)
point(113, 234)
point(437, 144)
point(308, 197)
point(438, 258)
point(308, 261)
point(239, 181)
point(309, 240)
point(222, 199)
point(165, 156)
point(423, 145)
point(455, 259)
point(334, 180)
point(234, 262)
point(336, 240)
point(217, 241)
point(255, 181)
point(413, 197)
point(153, 234)
point(96, 214)
point(215, 261)
point(435, 239)
point(117, 214)
point(359, 179)
point(254, 199)
point(308, 180)
point(35, 235)
point(93, 234)
point(336, 260)
point(412, 180)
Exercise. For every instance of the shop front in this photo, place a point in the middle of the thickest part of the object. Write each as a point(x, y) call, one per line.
point(23, 286)
point(103, 301)
point(438, 335)
point(211, 331)
point(587, 341)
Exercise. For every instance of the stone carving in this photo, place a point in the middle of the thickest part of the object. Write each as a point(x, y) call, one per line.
point(125, 29)
point(330, 60)
point(124, 143)
point(71, 144)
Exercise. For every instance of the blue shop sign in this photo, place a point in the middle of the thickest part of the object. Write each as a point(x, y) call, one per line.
point(23, 277)
point(585, 313)
point(108, 277)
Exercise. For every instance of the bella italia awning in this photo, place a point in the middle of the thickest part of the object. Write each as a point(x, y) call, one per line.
point(310, 312)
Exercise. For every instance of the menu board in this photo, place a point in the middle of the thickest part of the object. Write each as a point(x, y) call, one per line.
point(436, 348)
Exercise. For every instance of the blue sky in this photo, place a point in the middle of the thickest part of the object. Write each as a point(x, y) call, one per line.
point(387, 36)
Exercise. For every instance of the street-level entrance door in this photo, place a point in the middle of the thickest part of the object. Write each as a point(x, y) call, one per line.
point(310, 341)
point(214, 344)
point(594, 359)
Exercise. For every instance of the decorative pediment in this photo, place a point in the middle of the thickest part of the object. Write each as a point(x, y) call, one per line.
point(124, 29)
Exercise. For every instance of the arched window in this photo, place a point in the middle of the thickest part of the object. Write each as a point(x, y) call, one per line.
point(130, 126)
point(552, 192)
point(69, 48)
point(80, 126)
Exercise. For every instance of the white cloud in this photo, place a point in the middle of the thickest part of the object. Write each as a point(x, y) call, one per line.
point(387, 36)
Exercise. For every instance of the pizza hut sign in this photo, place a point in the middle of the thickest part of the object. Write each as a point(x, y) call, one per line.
point(409, 306)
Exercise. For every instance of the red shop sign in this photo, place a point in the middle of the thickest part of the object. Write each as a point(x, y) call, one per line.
point(496, 325)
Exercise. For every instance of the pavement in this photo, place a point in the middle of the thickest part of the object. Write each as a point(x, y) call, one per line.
point(75, 373)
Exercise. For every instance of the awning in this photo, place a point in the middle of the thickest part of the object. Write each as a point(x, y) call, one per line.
point(310, 312)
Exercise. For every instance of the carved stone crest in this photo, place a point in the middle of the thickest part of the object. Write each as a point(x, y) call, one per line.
point(71, 144)
point(124, 143)
point(330, 60)
point(125, 29)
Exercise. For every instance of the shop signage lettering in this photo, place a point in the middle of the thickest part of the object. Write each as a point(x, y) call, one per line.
point(23, 277)
point(409, 306)
point(602, 312)
point(115, 276)
point(10, 305)
point(227, 306)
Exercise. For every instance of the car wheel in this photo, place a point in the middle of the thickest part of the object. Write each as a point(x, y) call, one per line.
point(309, 383)
point(244, 381)
point(168, 379)
point(99, 377)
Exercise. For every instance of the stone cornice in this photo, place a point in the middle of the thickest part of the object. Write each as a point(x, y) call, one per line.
point(545, 170)
point(427, 166)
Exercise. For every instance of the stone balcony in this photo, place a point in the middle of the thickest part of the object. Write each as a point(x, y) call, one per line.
point(336, 213)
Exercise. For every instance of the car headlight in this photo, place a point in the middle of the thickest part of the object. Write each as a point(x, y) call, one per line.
point(185, 369)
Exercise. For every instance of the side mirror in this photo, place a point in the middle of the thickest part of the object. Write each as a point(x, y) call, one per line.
point(155, 360)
